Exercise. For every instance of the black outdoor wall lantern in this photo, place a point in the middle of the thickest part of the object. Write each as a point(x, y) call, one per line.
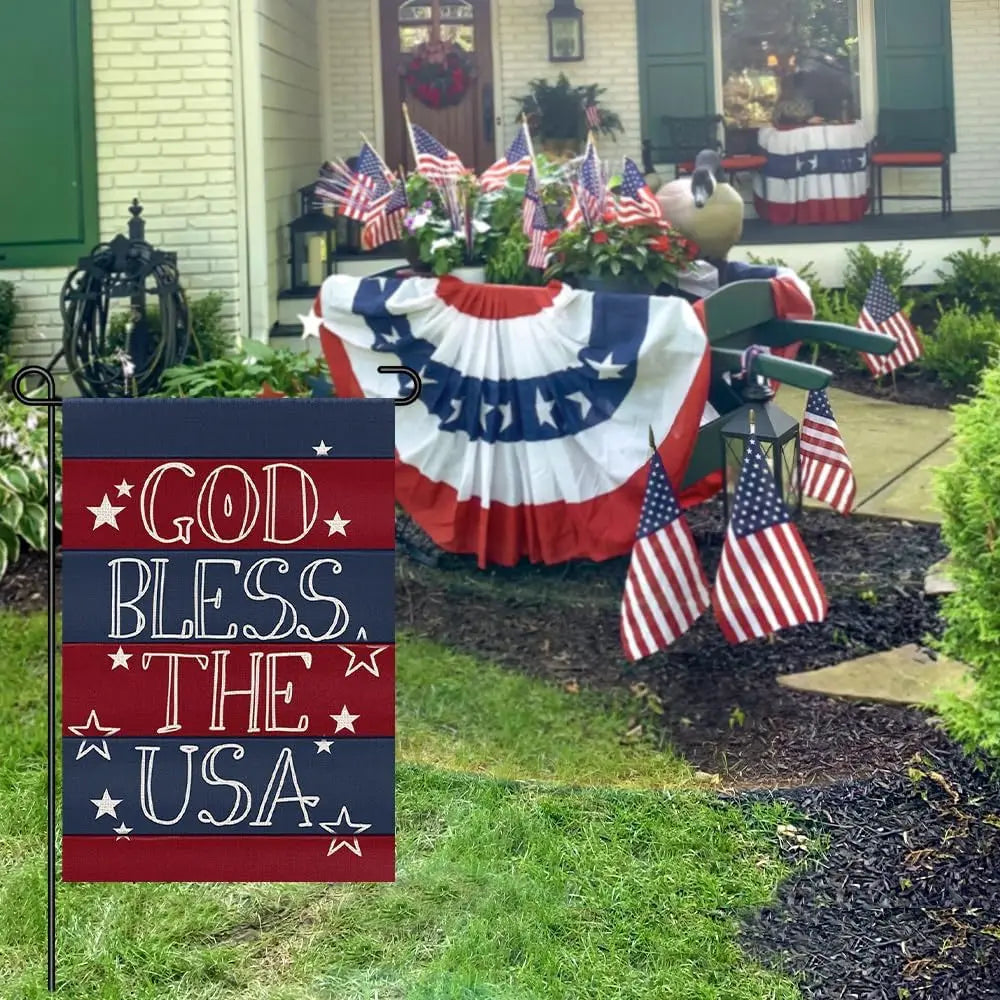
point(776, 432)
point(312, 242)
point(565, 32)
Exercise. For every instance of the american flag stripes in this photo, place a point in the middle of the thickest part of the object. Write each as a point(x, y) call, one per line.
point(593, 114)
point(384, 218)
point(636, 202)
point(766, 579)
point(517, 160)
point(435, 161)
point(532, 200)
point(881, 313)
point(826, 469)
point(665, 589)
point(538, 254)
point(371, 180)
point(591, 191)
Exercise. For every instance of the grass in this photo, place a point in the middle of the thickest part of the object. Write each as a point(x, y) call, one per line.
point(506, 890)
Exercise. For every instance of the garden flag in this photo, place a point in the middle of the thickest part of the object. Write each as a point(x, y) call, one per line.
point(523, 441)
point(665, 589)
point(766, 580)
point(434, 160)
point(881, 314)
point(826, 470)
point(228, 640)
point(517, 160)
point(636, 202)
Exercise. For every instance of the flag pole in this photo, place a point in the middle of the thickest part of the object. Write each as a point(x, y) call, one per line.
point(409, 132)
point(527, 137)
point(652, 440)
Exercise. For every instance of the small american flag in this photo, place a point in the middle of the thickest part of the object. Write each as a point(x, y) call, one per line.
point(371, 180)
point(538, 255)
point(517, 160)
point(636, 202)
point(826, 470)
point(593, 114)
point(384, 219)
point(665, 589)
point(881, 314)
point(532, 200)
point(591, 192)
point(435, 161)
point(766, 579)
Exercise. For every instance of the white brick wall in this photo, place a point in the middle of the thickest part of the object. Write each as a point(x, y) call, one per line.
point(351, 75)
point(165, 134)
point(293, 148)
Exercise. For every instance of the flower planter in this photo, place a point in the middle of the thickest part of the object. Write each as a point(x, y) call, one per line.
point(470, 275)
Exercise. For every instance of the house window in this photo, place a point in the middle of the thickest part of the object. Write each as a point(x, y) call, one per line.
point(456, 22)
point(48, 167)
point(788, 62)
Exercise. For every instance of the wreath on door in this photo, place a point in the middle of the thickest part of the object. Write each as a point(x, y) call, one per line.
point(438, 74)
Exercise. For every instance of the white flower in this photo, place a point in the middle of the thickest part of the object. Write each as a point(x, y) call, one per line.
point(444, 243)
point(480, 226)
point(31, 422)
point(419, 220)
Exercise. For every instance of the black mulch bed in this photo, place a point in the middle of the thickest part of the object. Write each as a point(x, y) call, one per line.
point(722, 707)
point(905, 900)
point(24, 586)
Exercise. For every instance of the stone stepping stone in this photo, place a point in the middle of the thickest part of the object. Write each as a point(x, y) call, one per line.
point(903, 676)
point(939, 579)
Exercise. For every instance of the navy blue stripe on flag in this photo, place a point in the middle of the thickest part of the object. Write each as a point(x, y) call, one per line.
point(358, 773)
point(365, 587)
point(788, 166)
point(736, 270)
point(228, 428)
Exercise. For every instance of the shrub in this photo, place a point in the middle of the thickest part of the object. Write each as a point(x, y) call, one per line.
point(863, 262)
point(8, 313)
point(969, 493)
point(960, 346)
point(974, 279)
point(243, 375)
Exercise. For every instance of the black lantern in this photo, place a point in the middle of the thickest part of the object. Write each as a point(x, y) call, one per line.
point(776, 432)
point(312, 240)
point(565, 32)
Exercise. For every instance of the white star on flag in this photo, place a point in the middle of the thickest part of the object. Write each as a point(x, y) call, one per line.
point(310, 324)
point(105, 513)
point(323, 746)
point(119, 659)
point(344, 819)
point(123, 831)
point(357, 663)
point(543, 408)
point(106, 805)
point(606, 368)
point(322, 449)
point(125, 489)
point(90, 733)
point(345, 720)
point(337, 524)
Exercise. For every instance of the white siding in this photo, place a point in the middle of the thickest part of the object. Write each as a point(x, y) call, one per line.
point(290, 91)
point(352, 84)
point(165, 134)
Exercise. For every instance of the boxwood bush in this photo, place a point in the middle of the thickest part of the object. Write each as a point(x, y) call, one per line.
point(960, 346)
point(969, 494)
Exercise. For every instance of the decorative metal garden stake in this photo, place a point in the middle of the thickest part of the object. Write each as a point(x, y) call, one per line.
point(778, 435)
point(52, 401)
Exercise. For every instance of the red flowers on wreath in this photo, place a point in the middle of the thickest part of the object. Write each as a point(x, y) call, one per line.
point(438, 74)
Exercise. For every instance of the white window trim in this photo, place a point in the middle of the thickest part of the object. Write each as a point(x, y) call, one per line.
point(867, 68)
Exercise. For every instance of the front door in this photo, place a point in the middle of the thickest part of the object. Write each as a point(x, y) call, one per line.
point(467, 127)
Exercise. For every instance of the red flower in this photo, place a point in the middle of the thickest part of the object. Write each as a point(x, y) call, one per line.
point(660, 244)
point(551, 237)
point(609, 215)
point(600, 237)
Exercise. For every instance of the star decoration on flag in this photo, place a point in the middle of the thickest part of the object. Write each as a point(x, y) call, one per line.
point(91, 733)
point(125, 489)
point(311, 324)
point(323, 746)
point(105, 513)
point(607, 368)
point(543, 408)
point(339, 840)
point(584, 403)
point(123, 831)
point(106, 805)
point(119, 658)
point(363, 663)
point(337, 524)
point(322, 449)
point(345, 720)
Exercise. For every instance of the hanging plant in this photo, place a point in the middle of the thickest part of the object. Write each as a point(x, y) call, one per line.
point(438, 74)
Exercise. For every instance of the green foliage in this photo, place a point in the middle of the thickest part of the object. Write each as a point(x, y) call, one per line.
point(863, 262)
point(24, 482)
point(209, 337)
point(974, 279)
point(969, 495)
point(557, 110)
point(8, 313)
point(242, 375)
point(961, 345)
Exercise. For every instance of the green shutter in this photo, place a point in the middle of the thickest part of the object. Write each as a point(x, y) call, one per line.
point(48, 175)
point(913, 51)
point(676, 65)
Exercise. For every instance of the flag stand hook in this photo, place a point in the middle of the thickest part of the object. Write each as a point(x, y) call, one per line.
point(51, 401)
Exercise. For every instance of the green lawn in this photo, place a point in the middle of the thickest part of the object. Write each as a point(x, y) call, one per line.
point(507, 889)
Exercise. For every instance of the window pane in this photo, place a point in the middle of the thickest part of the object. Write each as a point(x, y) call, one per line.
point(413, 35)
point(789, 61)
point(413, 10)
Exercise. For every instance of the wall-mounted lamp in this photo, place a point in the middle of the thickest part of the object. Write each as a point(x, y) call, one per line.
point(565, 32)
